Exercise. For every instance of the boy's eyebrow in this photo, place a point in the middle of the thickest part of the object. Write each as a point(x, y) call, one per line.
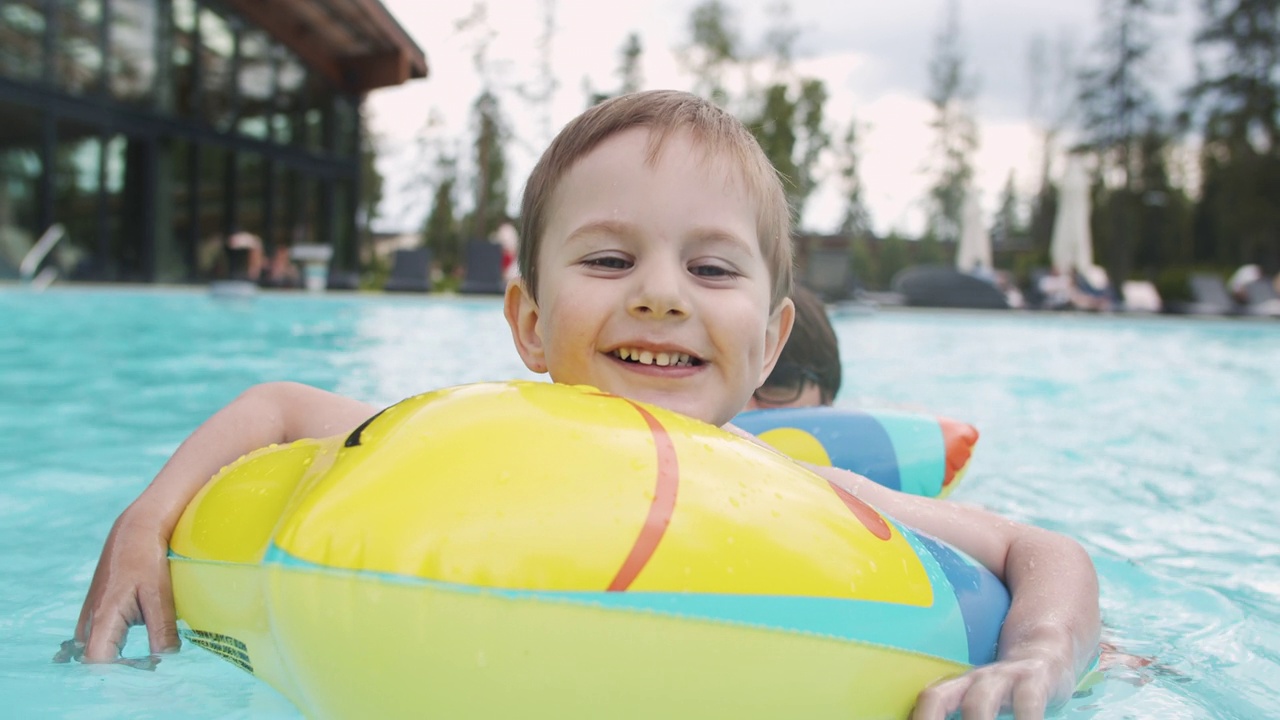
point(711, 234)
point(601, 227)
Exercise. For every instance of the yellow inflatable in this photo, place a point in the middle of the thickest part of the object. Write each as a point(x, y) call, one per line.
point(529, 549)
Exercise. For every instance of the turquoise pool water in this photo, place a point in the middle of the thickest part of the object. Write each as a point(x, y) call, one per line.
point(1152, 441)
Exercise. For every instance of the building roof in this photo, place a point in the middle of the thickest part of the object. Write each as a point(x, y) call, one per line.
point(357, 44)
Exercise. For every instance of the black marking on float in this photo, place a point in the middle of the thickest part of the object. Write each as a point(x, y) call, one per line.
point(353, 440)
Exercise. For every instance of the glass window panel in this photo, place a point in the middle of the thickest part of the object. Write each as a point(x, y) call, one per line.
point(131, 65)
point(20, 172)
point(345, 120)
point(291, 81)
point(250, 193)
point(211, 257)
point(22, 26)
point(174, 246)
point(77, 172)
point(217, 48)
point(182, 61)
point(122, 254)
point(343, 238)
point(256, 84)
point(78, 61)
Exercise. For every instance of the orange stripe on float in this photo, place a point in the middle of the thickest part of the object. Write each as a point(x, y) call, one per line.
point(958, 439)
point(660, 510)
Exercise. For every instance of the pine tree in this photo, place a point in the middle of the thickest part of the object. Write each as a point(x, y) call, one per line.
point(1118, 106)
point(951, 93)
point(1236, 101)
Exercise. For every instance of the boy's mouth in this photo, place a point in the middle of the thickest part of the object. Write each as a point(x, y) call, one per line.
point(661, 359)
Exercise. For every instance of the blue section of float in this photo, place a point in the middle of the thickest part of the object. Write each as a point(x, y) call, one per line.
point(854, 440)
point(983, 599)
point(921, 629)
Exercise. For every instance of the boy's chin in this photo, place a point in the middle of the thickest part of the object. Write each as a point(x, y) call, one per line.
point(692, 407)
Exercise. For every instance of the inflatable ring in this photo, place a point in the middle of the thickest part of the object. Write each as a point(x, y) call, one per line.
point(909, 452)
point(523, 549)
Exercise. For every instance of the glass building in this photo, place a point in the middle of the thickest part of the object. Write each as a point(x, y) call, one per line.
point(154, 129)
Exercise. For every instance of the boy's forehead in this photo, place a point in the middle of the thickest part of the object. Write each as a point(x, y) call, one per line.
point(642, 148)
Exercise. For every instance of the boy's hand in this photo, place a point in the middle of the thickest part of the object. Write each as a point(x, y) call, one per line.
point(130, 587)
point(1023, 687)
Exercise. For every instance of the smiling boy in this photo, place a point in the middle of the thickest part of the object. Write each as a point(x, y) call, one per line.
point(656, 265)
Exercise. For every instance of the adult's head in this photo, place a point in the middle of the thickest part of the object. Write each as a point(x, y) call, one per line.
point(808, 369)
point(664, 113)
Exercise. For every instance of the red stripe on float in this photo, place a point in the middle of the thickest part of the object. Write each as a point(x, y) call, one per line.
point(866, 515)
point(660, 510)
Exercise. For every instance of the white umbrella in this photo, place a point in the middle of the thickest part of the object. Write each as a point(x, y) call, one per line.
point(1072, 244)
point(974, 250)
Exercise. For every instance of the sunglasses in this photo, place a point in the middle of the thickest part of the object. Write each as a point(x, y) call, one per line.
point(785, 384)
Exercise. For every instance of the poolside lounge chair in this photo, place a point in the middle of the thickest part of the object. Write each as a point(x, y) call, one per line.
point(484, 269)
point(1140, 296)
point(1260, 299)
point(410, 271)
point(945, 287)
point(1209, 296)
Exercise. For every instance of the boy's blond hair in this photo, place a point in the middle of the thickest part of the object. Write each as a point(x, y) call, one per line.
point(662, 112)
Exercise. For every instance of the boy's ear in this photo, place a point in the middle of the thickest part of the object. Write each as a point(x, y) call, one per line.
point(775, 336)
point(523, 318)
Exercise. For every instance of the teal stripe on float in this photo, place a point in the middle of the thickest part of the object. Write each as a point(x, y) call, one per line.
point(920, 448)
point(937, 630)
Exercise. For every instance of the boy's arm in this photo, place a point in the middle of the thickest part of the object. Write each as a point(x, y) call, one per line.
point(1051, 632)
point(131, 583)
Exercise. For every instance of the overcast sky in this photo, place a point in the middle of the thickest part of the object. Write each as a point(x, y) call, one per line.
point(873, 57)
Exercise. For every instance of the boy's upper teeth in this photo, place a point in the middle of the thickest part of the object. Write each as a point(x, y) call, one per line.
point(648, 357)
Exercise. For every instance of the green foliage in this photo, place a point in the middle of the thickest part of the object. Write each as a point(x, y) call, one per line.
point(1122, 127)
point(376, 273)
point(789, 128)
point(951, 93)
point(630, 79)
point(490, 208)
point(1237, 100)
point(441, 232)
point(856, 222)
point(895, 255)
point(1008, 222)
point(865, 263)
point(713, 47)
point(371, 181)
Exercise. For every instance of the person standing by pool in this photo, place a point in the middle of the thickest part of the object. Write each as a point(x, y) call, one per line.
point(655, 265)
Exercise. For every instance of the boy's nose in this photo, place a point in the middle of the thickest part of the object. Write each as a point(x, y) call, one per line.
point(659, 295)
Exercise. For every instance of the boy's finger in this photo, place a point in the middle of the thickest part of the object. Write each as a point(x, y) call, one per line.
point(106, 635)
point(82, 625)
point(938, 700)
point(162, 623)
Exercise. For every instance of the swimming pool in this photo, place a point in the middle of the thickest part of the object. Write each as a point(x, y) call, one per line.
point(1152, 441)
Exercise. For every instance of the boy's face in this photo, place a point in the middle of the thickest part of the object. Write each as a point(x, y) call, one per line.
point(652, 282)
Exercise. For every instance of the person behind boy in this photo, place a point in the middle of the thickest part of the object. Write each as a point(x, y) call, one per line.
point(808, 372)
point(655, 264)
